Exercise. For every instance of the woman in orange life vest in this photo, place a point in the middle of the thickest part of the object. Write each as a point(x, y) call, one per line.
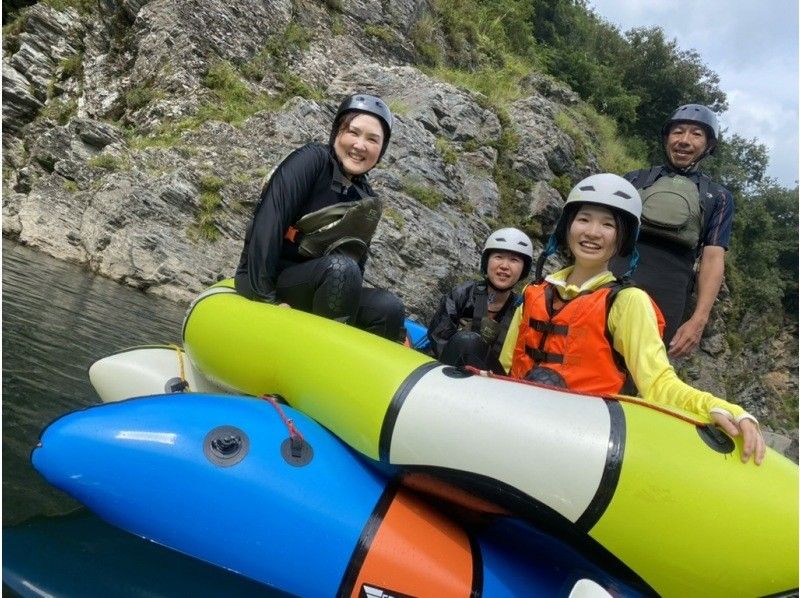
point(307, 244)
point(583, 329)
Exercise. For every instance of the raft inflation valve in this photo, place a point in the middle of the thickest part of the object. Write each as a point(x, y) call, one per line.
point(716, 439)
point(226, 446)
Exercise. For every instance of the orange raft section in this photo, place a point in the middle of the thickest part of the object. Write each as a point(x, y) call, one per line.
point(410, 532)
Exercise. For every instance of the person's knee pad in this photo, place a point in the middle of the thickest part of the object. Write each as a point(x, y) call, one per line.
point(337, 295)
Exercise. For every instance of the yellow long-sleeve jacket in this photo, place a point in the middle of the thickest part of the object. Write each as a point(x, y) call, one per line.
point(634, 329)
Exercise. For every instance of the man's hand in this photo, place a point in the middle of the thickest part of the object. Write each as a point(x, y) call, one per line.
point(687, 338)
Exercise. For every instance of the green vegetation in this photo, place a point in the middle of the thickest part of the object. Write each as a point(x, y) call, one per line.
point(233, 101)
point(398, 108)
point(108, 162)
point(71, 186)
point(395, 217)
point(424, 194)
point(596, 134)
point(275, 55)
point(446, 149)
point(762, 273)
point(465, 205)
point(210, 201)
point(140, 96)
point(580, 138)
point(562, 184)
point(423, 37)
point(82, 6)
point(12, 30)
point(72, 66)
point(59, 110)
point(382, 33)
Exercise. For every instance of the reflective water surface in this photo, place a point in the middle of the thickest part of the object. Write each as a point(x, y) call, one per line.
point(57, 319)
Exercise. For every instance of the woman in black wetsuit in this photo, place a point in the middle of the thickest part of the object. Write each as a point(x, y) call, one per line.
point(307, 244)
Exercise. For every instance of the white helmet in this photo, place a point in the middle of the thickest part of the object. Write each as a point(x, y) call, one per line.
point(509, 239)
point(608, 190)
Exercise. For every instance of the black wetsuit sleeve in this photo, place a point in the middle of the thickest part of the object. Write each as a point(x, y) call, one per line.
point(446, 321)
point(280, 206)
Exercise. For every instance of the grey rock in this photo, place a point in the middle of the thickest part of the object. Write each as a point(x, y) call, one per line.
point(20, 106)
point(96, 133)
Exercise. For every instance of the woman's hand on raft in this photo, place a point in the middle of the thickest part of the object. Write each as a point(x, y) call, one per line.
point(284, 305)
point(753, 444)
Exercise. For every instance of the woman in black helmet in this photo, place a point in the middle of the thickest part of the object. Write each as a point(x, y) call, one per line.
point(307, 244)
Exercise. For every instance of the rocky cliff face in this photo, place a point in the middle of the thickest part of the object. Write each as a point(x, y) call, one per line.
point(119, 152)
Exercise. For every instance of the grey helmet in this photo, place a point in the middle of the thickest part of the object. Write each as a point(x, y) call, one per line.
point(368, 104)
point(607, 190)
point(509, 239)
point(698, 114)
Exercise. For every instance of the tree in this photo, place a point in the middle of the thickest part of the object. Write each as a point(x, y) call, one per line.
point(738, 164)
point(764, 252)
point(665, 77)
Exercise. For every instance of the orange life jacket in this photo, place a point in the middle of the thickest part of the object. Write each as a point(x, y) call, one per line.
point(573, 341)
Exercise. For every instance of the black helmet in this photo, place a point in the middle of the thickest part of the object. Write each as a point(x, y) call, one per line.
point(698, 114)
point(368, 104)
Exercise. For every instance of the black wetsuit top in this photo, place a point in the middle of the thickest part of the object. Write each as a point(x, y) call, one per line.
point(308, 180)
point(461, 303)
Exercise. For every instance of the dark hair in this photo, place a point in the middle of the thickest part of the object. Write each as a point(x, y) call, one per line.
point(344, 122)
point(625, 225)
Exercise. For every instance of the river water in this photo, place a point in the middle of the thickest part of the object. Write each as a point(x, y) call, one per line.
point(57, 319)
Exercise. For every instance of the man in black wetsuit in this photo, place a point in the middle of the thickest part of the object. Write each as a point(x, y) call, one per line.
point(685, 217)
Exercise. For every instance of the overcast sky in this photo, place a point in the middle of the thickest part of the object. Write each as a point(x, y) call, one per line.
point(752, 46)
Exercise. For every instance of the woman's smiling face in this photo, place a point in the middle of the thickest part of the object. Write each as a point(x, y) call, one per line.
point(592, 236)
point(358, 145)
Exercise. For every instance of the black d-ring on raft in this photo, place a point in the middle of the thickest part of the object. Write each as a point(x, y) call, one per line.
point(297, 451)
point(716, 438)
point(226, 446)
point(176, 384)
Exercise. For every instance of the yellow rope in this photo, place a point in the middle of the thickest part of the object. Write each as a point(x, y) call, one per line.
point(181, 365)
